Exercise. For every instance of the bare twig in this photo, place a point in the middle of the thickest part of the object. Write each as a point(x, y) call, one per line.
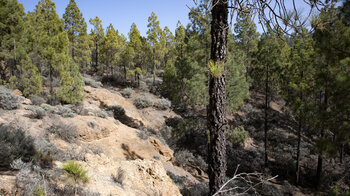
point(245, 177)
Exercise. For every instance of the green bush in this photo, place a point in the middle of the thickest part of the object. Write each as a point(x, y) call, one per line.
point(8, 100)
point(163, 104)
point(76, 170)
point(127, 92)
point(237, 136)
point(143, 101)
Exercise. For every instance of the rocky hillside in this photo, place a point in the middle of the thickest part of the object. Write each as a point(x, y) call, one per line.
point(117, 143)
point(131, 142)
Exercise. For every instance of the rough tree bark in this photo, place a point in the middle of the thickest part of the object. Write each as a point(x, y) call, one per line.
point(217, 98)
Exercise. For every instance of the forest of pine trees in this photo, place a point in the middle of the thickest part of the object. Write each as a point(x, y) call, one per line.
point(47, 55)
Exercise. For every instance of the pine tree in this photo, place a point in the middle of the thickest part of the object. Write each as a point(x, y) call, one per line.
point(135, 42)
point(299, 75)
point(247, 39)
point(111, 49)
point(17, 70)
point(157, 41)
point(271, 53)
point(332, 49)
point(71, 90)
point(169, 47)
point(237, 86)
point(76, 28)
point(50, 42)
point(97, 34)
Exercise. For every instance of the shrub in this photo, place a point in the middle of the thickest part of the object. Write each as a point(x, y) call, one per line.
point(184, 158)
point(14, 144)
point(127, 92)
point(143, 101)
point(237, 136)
point(143, 86)
point(45, 160)
point(65, 111)
point(8, 100)
point(64, 131)
point(163, 104)
point(37, 100)
point(37, 112)
point(92, 83)
point(119, 177)
point(48, 108)
point(77, 172)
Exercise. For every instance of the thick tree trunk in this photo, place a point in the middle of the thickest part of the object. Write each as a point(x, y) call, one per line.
point(217, 98)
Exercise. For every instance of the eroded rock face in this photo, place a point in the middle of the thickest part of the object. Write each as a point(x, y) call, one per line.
point(108, 99)
point(147, 177)
point(164, 150)
point(91, 128)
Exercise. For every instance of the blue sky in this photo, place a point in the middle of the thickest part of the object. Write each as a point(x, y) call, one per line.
point(123, 13)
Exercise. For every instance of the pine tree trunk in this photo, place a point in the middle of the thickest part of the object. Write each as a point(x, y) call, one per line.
point(124, 72)
point(51, 86)
point(341, 153)
point(297, 168)
point(217, 99)
point(96, 60)
point(320, 159)
point(265, 120)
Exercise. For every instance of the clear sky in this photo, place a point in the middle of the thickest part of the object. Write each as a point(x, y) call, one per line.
point(123, 13)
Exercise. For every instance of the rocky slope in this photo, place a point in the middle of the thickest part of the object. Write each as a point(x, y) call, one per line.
point(106, 134)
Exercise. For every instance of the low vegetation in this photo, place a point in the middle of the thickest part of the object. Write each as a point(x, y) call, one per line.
point(143, 101)
point(8, 100)
point(14, 144)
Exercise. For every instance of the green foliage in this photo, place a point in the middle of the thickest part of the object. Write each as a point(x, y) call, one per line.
point(237, 86)
point(30, 82)
point(77, 172)
point(97, 35)
point(157, 41)
point(215, 68)
point(39, 191)
point(76, 27)
point(237, 136)
point(112, 48)
point(71, 90)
